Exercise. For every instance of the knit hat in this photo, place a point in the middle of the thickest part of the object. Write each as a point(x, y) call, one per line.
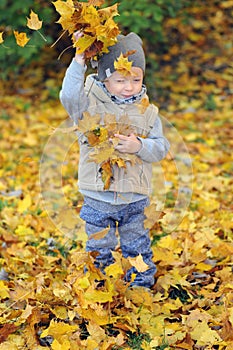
point(130, 42)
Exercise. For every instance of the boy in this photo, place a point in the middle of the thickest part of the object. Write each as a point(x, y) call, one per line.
point(122, 204)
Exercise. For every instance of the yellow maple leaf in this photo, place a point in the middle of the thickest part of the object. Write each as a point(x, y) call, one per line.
point(90, 15)
point(84, 42)
point(114, 270)
point(138, 263)
point(24, 204)
point(152, 215)
point(4, 291)
point(109, 12)
point(59, 330)
point(122, 65)
point(33, 21)
point(204, 335)
point(102, 154)
point(99, 296)
point(21, 38)
point(64, 8)
point(66, 11)
point(1, 37)
point(96, 332)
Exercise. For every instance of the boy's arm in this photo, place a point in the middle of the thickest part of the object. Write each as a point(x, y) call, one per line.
point(155, 147)
point(151, 149)
point(72, 94)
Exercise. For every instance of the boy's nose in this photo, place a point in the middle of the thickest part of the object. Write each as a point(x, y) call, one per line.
point(129, 85)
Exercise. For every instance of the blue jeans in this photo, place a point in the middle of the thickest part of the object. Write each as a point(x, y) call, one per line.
point(134, 238)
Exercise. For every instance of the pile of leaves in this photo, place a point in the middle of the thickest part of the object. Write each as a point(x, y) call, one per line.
point(47, 301)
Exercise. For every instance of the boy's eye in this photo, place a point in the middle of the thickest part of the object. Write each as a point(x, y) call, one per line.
point(120, 80)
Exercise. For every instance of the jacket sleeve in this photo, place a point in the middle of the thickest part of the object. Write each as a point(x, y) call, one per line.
point(72, 95)
point(155, 146)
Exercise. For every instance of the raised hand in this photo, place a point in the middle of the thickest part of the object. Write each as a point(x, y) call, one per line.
point(79, 57)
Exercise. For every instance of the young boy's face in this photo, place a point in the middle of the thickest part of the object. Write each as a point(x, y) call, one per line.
point(125, 86)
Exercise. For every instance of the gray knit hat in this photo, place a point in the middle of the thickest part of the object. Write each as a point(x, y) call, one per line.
point(124, 44)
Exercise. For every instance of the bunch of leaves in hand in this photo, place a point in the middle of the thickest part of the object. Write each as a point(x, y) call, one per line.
point(101, 138)
point(96, 24)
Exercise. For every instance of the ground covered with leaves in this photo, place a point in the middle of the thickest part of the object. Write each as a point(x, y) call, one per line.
point(46, 299)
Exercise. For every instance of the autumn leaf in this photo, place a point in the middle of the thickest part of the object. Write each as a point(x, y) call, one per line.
point(97, 3)
point(152, 215)
point(66, 10)
point(138, 263)
point(4, 291)
point(102, 154)
point(142, 106)
point(100, 234)
point(88, 122)
point(21, 38)
point(24, 204)
point(6, 330)
point(1, 37)
point(83, 43)
point(60, 331)
point(123, 66)
point(33, 21)
point(204, 335)
point(106, 174)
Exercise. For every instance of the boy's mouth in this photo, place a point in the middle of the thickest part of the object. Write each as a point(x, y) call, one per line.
point(126, 96)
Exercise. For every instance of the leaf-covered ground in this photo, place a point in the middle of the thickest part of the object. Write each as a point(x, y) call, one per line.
point(46, 299)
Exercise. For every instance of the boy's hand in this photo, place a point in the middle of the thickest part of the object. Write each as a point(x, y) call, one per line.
point(79, 57)
point(128, 144)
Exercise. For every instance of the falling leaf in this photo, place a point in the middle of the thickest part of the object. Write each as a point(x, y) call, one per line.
point(33, 21)
point(1, 37)
point(138, 263)
point(21, 38)
point(152, 215)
